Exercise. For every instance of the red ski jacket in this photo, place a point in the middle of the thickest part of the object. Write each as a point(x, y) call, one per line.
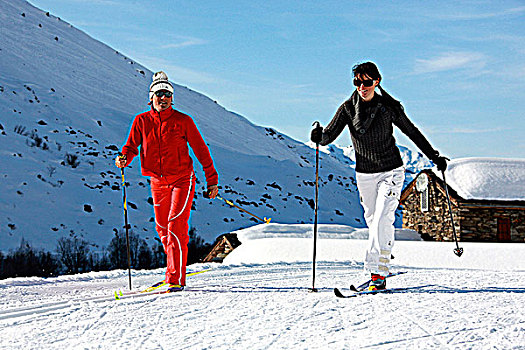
point(164, 139)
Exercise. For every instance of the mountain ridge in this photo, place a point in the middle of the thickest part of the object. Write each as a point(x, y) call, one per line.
point(66, 105)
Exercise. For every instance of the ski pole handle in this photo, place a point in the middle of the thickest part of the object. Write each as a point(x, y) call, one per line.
point(118, 161)
point(316, 135)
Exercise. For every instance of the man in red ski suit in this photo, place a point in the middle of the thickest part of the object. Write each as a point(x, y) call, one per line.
point(163, 135)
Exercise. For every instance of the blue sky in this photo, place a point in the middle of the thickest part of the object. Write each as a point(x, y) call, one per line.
point(457, 66)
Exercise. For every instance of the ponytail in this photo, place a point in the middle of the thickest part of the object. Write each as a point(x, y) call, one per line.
point(388, 98)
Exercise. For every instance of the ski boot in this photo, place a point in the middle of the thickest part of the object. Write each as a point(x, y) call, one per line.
point(174, 288)
point(377, 282)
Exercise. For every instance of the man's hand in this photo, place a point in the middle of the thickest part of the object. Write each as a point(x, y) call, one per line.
point(120, 161)
point(212, 191)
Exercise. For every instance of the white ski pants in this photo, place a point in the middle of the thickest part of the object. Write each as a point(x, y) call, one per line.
point(380, 193)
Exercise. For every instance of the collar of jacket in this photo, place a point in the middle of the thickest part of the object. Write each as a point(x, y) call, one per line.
point(163, 115)
point(363, 116)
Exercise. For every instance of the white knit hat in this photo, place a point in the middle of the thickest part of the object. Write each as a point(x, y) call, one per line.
point(160, 82)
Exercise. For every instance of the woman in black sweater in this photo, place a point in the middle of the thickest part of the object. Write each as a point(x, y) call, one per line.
point(380, 173)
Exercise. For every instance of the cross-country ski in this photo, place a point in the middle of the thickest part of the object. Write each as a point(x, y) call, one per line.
point(365, 285)
point(338, 293)
point(118, 294)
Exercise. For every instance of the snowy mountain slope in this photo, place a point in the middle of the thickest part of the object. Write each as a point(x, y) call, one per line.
point(66, 106)
point(413, 161)
point(476, 305)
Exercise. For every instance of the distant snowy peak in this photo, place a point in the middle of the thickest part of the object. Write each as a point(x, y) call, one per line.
point(413, 161)
point(487, 178)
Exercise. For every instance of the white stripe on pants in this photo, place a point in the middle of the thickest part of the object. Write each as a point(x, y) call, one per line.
point(380, 193)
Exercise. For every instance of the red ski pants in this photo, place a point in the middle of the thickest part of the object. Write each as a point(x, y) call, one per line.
point(172, 198)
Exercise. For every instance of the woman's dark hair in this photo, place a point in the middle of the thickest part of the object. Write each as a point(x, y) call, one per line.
point(370, 69)
point(367, 68)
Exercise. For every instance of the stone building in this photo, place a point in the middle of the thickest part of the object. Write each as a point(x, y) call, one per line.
point(487, 197)
point(223, 246)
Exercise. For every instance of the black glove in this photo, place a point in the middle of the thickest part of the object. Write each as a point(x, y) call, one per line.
point(316, 136)
point(441, 163)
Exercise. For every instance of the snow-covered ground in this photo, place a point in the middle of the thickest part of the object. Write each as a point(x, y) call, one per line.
point(259, 299)
point(56, 84)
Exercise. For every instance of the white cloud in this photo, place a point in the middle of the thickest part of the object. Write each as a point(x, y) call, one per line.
point(97, 2)
point(181, 41)
point(469, 130)
point(450, 61)
point(178, 74)
point(515, 11)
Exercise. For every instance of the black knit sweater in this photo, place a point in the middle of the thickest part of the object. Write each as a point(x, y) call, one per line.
point(371, 128)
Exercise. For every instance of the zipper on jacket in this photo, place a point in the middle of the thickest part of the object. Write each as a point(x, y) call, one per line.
point(160, 143)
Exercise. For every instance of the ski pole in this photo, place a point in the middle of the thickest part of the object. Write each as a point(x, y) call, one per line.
point(230, 203)
point(313, 289)
point(125, 205)
point(458, 251)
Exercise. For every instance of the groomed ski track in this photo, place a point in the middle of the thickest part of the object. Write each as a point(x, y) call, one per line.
point(267, 307)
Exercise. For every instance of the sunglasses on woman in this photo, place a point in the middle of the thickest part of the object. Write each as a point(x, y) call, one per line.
point(366, 83)
point(161, 93)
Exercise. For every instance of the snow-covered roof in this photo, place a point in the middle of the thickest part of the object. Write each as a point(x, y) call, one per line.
point(487, 178)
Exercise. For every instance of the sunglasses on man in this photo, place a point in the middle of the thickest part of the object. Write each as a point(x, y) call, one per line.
point(366, 82)
point(161, 93)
